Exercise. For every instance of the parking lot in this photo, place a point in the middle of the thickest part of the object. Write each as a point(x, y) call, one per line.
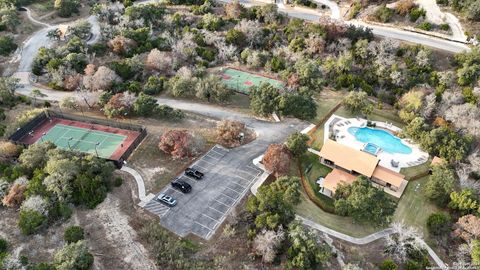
point(228, 176)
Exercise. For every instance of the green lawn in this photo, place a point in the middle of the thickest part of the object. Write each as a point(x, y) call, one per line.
point(416, 170)
point(316, 170)
point(414, 208)
point(346, 225)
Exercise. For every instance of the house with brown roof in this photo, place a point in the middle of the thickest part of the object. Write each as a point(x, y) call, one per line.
point(349, 163)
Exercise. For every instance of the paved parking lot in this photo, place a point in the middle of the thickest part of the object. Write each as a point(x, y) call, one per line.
point(229, 175)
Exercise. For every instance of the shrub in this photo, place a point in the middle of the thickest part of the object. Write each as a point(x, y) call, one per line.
point(438, 223)
point(388, 264)
point(425, 26)
point(416, 13)
point(3, 245)
point(73, 234)
point(73, 256)
point(7, 45)
point(30, 221)
point(403, 7)
point(383, 14)
point(444, 27)
point(118, 181)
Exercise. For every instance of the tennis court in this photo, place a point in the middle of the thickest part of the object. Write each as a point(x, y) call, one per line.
point(84, 140)
point(241, 81)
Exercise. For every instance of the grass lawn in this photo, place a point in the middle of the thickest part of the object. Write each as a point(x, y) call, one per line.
point(416, 170)
point(346, 225)
point(315, 170)
point(414, 208)
point(326, 101)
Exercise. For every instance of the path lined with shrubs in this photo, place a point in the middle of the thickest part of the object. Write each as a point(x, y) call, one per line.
point(367, 239)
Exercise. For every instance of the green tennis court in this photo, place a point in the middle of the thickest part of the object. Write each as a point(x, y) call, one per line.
point(241, 81)
point(84, 140)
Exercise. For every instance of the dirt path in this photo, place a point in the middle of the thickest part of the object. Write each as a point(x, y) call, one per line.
point(110, 234)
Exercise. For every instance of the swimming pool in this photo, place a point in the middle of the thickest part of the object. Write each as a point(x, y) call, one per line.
point(381, 138)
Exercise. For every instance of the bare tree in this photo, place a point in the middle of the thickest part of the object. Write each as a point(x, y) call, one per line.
point(402, 240)
point(467, 228)
point(252, 30)
point(159, 61)
point(267, 244)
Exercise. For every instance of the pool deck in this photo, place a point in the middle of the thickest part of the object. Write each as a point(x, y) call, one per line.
point(337, 126)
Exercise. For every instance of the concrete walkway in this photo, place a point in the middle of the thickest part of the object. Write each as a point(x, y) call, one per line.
point(140, 184)
point(367, 239)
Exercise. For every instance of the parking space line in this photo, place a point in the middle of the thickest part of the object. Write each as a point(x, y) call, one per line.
point(203, 226)
point(203, 160)
point(201, 167)
point(216, 210)
point(251, 174)
point(212, 157)
point(228, 196)
point(169, 188)
point(210, 217)
point(233, 182)
point(221, 202)
point(248, 180)
point(238, 193)
point(253, 168)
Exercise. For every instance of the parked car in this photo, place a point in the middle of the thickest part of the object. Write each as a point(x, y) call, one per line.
point(167, 200)
point(194, 173)
point(181, 185)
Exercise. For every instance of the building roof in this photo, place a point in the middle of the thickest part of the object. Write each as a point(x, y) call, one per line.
point(388, 176)
point(349, 158)
point(336, 177)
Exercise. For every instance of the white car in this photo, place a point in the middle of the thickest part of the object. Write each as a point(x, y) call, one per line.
point(165, 199)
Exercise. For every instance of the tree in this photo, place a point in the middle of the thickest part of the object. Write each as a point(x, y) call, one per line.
point(65, 8)
point(465, 201)
point(267, 244)
point(119, 105)
point(7, 45)
point(228, 132)
point(277, 159)
point(36, 93)
point(388, 264)
point(403, 241)
point(439, 224)
point(234, 9)
point(364, 202)
point(358, 102)
point(180, 143)
point(272, 206)
point(30, 221)
point(467, 228)
point(297, 143)
point(475, 253)
point(15, 196)
point(8, 149)
point(154, 85)
point(235, 37)
point(73, 256)
point(263, 99)
point(103, 79)
point(304, 251)
point(145, 105)
point(160, 61)
point(68, 102)
point(73, 234)
point(440, 184)
point(301, 106)
point(212, 88)
point(7, 90)
point(181, 86)
point(310, 75)
point(36, 203)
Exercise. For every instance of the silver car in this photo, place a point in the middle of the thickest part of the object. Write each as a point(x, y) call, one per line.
point(165, 199)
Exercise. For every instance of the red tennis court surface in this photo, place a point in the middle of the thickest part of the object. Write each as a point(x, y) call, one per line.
point(48, 124)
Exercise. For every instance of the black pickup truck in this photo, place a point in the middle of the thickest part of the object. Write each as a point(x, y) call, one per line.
point(193, 173)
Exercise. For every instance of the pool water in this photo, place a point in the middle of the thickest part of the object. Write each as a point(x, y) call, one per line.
point(371, 148)
point(381, 138)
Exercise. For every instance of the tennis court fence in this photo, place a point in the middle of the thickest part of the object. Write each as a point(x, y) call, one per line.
point(47, 114)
